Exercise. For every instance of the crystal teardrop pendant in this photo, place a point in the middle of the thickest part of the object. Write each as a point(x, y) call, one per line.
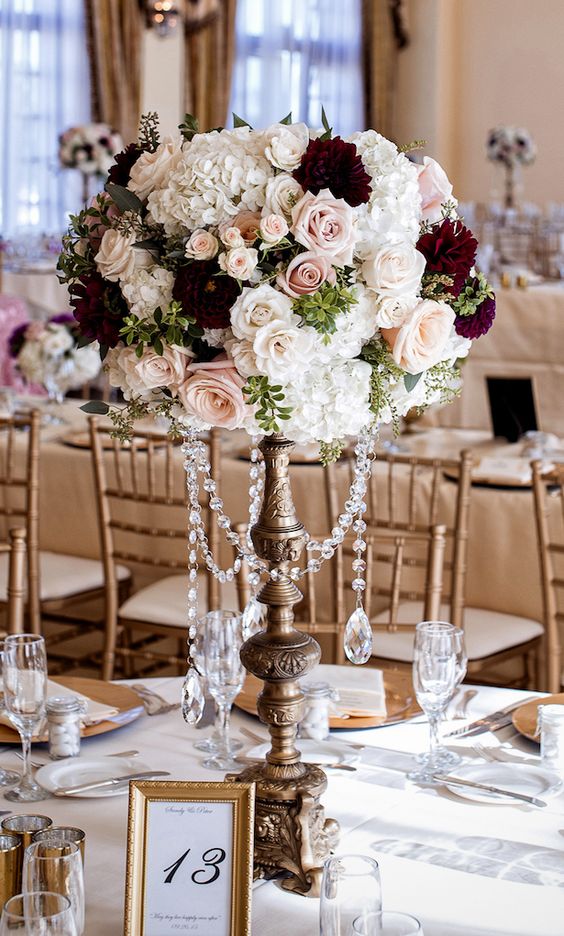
point(192, 697)
point(358, 637)
point(253, 618)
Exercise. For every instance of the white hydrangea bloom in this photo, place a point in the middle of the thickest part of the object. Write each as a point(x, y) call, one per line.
point(328, 402)
point(217, 337)
point(147, 290)
point(393, 213)
point(354, 329)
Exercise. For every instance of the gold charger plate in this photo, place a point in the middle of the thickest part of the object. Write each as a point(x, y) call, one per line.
point(525, 717)
point(120, 697)
point(398, 688)
point(82, 440)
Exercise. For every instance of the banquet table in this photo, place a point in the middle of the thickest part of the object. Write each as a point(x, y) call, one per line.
point(39, 286)
point(464, 869)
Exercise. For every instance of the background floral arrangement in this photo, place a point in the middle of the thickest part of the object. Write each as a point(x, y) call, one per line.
point(89, 147)
point(49, 353)
point(511, 146)
point(275, 279)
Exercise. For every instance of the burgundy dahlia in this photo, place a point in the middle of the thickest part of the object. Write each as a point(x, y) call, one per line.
point(99, 309)
point(449, 248)
point(119, 172)
point(473, 326)
point(204, 294)
point(335, 165)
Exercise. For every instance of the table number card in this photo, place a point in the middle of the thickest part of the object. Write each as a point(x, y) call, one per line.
point(190, 859)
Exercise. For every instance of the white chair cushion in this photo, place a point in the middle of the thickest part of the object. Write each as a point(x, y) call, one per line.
point(62, 576)
point(165, 601)
point(485, 632)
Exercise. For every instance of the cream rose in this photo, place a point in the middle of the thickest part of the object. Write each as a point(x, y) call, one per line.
point(392, 311)
point(282, 193)
point(117, 257)
point(324, 225)
point(395, 270)
point(152, 170)
point(305, 274)
point(139, 377)
point(213, 394)
point(201, 245)
point(243, 356)
point(282, 350)
point(240, 262)
point(286, 144)
point(231, 236)
point(272, 229)
point(421, 341)
point(258, 306)
point(435, 189)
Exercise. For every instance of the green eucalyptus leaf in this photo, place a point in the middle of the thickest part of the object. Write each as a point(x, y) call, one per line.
point(411, 381)
point(123, 198)
point(287, 119)
point(239, 122)
point(95, 408)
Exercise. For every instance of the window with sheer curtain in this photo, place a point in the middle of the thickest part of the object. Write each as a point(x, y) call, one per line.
point(299, 55)
point(44, 88)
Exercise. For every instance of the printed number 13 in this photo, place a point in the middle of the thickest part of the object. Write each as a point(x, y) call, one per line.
point(211, 858)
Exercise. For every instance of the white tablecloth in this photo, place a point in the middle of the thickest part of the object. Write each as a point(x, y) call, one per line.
point(380, 815)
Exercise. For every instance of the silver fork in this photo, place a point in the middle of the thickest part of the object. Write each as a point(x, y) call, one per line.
point(503, 755)
point(462, 707)
point(153, 703)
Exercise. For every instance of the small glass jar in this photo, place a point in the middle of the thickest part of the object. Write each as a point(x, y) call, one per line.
point(63, 721)
point(318, 699)
point(551, 730)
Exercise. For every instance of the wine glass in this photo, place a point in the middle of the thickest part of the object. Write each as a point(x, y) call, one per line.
point(437, 659)
point(42, 913)
point(387, 923)
point(7, 777)
point(350, 890)
point(223, 638)
point(24, 668)
point(56, 866)
point(212, 743)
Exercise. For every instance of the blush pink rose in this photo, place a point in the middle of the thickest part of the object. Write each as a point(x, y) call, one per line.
point(305, 274)
point(324, 225)
point(201, 245)
point(421, 341)
point(213, 394)
point(273, 228)
point(435, 189)
point(248, 223)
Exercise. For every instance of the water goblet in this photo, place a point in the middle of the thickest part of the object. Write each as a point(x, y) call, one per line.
point(223, 638)
point(350, 890)
point(437, 661)
point(7, 777)
point(56, 867)
point(387, 923)
point(24, 668)
point(41, 913)
point(212, 743)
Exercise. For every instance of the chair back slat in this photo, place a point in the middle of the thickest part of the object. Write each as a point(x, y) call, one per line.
point(549, 517)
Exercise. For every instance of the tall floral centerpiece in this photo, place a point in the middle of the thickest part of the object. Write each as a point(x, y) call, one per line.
point(510, 147)
point(90, 148)
point(305, 288)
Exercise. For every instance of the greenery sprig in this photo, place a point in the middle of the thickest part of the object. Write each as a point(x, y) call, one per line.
point(189, 127)
point(330, 452)
point(267, 398)
point(410, 147)
point(171, 326)
point(475, 291)
point(321, 309)
point(149, 136)
point(125, 417)
point(437, 286)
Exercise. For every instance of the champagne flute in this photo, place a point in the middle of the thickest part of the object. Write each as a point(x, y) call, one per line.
point(436, 674)
point(350, 890)
point(212, 743)
point(24, 668)
point(223, 638)
point(42, 913)
point(56, 866)
point(387, 923)
point(7, 777)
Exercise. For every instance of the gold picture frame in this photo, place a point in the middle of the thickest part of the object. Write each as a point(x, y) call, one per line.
point(182, 811)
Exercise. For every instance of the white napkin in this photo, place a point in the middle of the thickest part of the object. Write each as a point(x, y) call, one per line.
point(497, 469)
point(361, 691)
point(94, 713)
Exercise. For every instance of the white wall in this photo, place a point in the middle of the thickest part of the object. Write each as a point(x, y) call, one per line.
point(163, 78)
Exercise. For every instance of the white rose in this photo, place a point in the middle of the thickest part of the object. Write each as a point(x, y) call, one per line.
point(422, 340)
point(256, 307)
point(117, 258)
point(201, 245)
point(392, 311)
point(240, 262)
point(243, 356)
point(282, 350)
point(282, 193)
point(272, 229)
point(286, 144)
point(231, 237)
point(152, 170)
point(395, 270)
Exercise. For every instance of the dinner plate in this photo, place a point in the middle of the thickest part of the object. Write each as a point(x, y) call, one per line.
point(314, 752)
point(76, 770)
point(519, 778)
point(525, 717)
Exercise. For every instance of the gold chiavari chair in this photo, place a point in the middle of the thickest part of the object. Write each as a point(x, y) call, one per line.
point(549, 493)
point(413, 493)
point(15, 605)
point(141, 495)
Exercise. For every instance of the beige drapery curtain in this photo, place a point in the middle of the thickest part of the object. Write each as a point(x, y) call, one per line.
point(210, 53)
point(384, 33)
point(114, 34)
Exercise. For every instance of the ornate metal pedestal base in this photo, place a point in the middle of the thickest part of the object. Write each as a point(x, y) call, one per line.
point(292, 836)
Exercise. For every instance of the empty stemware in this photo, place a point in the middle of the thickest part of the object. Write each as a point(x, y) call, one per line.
point(24, 668)
point(56, 866)
point(223, 638)
point(7, 777)
point(350, 890)
point(387, 923)
point(212, 743)
point(41, 913)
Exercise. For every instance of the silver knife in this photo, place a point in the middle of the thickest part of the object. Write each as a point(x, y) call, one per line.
point(458, 781)
point(113, 781)
point(492, 722)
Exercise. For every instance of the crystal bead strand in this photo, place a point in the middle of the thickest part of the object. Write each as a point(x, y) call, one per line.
point(192, 696)
point(254, 612)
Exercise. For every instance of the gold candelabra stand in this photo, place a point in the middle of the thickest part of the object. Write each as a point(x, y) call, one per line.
point(292, 836)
